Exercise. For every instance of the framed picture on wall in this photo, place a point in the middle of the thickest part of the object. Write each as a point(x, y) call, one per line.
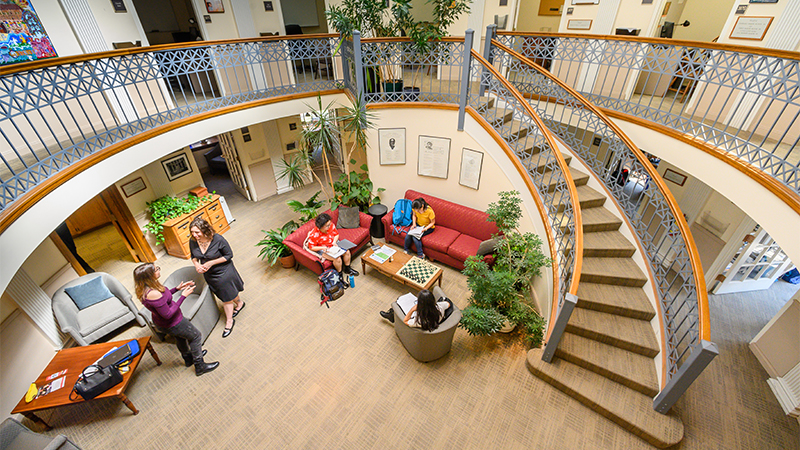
point(177, 166)
point(392, 146)
point(214, 6)
point(751, 28)
point(133, 187)
point(579, 24)
point(675, 177)
point(434, 157)
point(471, 164)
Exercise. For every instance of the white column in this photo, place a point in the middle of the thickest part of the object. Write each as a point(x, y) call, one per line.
point(37, 305)
point(91, 39)
point(247, 29)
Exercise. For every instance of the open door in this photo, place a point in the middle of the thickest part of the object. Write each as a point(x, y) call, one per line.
point(231, 156)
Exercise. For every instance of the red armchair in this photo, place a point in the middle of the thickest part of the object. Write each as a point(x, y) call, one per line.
point(359, 236)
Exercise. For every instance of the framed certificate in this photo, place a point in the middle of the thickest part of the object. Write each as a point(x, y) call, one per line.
point(471, 163)
point(579, 24)
point(434, 157)
point(751, 27)
point(392, 146)
point(675, 177)
point(133, 187)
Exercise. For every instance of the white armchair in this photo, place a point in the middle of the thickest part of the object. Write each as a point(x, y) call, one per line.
point(93, 322)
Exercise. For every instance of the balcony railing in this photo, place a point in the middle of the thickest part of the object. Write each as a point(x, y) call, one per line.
point(648, 205)
point(744, 101)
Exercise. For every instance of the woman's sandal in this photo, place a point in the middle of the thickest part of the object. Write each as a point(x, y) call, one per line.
point(227, 331)
point(236, 311)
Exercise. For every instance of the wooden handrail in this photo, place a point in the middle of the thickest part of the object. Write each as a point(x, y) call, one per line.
point(573, 192)
point(757, 51)
point(694, 257)
point(50, 62)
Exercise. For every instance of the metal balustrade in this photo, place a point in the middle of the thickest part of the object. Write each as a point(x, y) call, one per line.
point(744, 101)
point(648, 205)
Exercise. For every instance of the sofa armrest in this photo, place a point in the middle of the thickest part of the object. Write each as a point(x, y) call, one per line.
point(364, 220)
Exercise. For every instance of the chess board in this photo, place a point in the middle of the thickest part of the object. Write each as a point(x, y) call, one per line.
point(418, 271)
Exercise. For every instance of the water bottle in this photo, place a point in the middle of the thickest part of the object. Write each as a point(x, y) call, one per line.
point(352, 281)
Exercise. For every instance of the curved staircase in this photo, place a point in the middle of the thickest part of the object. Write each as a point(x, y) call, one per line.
point(605, 359)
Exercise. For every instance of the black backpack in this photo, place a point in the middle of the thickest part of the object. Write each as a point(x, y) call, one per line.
point(331, 286)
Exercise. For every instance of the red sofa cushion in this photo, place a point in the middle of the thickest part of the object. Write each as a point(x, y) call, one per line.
point(441, 239)
point(463, 247)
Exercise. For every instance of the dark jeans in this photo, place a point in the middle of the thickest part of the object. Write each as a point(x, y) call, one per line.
point(412, 240)
point(188, 338)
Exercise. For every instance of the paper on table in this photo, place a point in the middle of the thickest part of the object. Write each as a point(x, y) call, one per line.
point(406, 302)
point(383, 254)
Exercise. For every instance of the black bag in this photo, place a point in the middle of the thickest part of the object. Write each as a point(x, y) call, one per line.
point(94, 380)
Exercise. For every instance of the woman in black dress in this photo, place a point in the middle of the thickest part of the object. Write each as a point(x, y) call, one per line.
point(212, 256)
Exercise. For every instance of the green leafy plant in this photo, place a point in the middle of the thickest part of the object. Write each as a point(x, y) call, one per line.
point(307, 210)
point(355, 189)
point(272, 246)
point(503, 289)
point(169, 207)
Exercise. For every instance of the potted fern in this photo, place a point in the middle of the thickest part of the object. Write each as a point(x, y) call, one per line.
point(273, 249)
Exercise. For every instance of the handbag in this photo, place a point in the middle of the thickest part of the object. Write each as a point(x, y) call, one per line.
point(94, 380)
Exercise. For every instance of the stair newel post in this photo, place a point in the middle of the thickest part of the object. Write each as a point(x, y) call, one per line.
point(700, 357)
point(465, 78)
point(487, 54)
point(345, 72)
point(564, 313)
point(359, 65)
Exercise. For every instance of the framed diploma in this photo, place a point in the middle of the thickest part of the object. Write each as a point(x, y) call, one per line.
point(434, 157)
point(579, 24)
point(751, 27)
point(392, 146)
point(675, 177)
point(471, 163)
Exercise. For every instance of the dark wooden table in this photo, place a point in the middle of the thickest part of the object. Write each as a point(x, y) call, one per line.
point(390, 268)
point(74, 360)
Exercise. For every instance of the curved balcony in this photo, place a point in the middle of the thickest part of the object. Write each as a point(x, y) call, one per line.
point(61, 116)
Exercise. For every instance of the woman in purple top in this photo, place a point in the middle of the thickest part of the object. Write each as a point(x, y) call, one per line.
point(167, 315)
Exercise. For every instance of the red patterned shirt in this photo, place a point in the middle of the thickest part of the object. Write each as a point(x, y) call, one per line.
point(317, 238)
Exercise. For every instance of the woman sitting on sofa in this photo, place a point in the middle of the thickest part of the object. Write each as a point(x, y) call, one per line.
point(424, 218)
point(427, 313)
point(324, 236)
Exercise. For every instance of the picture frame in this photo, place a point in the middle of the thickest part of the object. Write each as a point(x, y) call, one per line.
point(471, 167)
point(291, 146)
point(214, 6)
point(292, 126)
point(585, 2)
point(741, 9)
point(674, 177)
point(763, 1)
point(133, 186)
point(268, 6)
point(751, 28)
point(119, 6)
point(579, 24)
point(433, 159)
point(666, 9)
point(176, 166)
point(392, 146)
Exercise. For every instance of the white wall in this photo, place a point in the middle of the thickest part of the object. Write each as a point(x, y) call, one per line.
point(267, 21)
point(707, 18)
point(58, 28)
point(116, 27)
point(222, 26)
point(530, 20)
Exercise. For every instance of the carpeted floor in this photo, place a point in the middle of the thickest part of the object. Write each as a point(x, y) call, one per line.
point(299, 376)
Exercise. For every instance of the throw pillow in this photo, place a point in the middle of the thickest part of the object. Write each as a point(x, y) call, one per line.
point(87, 294)
point(487, 247)
point(348, 217)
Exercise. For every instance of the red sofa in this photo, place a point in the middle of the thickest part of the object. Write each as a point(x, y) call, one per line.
point(459, 230)
point(359, 236)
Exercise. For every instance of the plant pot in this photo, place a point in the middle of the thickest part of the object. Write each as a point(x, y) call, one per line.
point(508, 327)
point(392, 86)
point(287, 262)
point(410, 94)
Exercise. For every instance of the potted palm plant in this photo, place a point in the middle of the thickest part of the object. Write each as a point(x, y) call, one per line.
point(501, 293)
point(273, 249)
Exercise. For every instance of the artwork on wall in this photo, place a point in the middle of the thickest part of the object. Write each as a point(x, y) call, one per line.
point(214, 6)
point(392, 146)
point(119, 6)
point(675, 177)
point(751, 27)
point(22, 35)
point(292, 126)
point(579, 24)
point(133, 187)
point(268, 6)
point(177, 166)
point(434, 157)
point(471, 164)
point(585, 2)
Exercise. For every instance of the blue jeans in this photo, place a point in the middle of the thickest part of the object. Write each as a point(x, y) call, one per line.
point(412, 240)
point(188, 338)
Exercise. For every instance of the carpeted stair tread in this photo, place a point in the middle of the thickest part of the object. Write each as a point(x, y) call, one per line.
point(498, 117)
point(578, 177)
point(623, 332)
point(516, 130)
point(599, 219)
point(485, 104)
point(626, 407)
point(636, 371)
point(542, 166)
point(620, 300)
point(618, 271)
point(589, 197)
point(607, 244)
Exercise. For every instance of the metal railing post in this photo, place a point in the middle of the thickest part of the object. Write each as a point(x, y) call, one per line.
point(701, 356)
point(487, 51)
point(465, 78)
point(570, 300)
point(345, 67)
point(359, 65)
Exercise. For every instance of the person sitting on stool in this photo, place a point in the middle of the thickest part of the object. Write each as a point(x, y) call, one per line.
point(324, 236)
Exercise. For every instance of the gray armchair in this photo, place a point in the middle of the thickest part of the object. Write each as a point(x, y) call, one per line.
point(200, 307)
point(15, 436)
point(90, 324)
point(427, 346)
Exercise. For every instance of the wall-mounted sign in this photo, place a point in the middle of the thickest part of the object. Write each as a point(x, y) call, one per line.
point(763, 1)
point(133, 187)
point(570, 11)
point(119, 6)
point(268, 6)
point(741, 9)
point(585, 2)
point(206, 18)
point(579, 24)
point(751, 27)
point(675, 177)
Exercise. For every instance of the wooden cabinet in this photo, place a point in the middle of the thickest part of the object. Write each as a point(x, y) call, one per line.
point(176, 231)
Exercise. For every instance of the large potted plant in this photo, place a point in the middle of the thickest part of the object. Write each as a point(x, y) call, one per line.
point(502, 293)
point(355, 189)
point(272, 247)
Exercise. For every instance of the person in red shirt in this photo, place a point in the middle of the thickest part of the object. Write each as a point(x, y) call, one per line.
point(324, 236)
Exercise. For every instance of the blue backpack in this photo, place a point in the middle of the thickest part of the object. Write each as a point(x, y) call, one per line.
point(331, 286)
point(402, 213)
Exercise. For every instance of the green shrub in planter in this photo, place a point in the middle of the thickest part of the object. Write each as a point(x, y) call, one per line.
point(272, 246)
point(168, 207)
